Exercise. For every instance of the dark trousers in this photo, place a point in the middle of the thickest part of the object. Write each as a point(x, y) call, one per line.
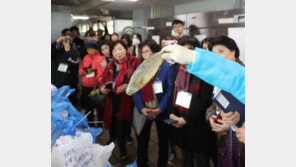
point(86, 103)
point(85, 100)
point(143, 140)
point(201, 159)
point(119, 130)
point(172, 142)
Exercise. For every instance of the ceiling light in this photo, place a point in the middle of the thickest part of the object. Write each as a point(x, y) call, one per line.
point(80, 17)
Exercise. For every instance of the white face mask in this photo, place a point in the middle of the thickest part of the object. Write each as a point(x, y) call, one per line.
point(136, 41)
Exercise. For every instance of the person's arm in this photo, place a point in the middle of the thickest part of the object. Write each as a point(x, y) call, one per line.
point(220, 72)
point(171, 106)
point(199, 108)
point(100, 69)
point(138, 100)
point(170, 86)
point(81, 69)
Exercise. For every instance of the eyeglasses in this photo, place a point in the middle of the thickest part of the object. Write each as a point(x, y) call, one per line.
point(145, 52)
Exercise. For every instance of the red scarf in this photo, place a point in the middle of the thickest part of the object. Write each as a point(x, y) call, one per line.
point(182, 83)
point(147, 92)
point(123, 70)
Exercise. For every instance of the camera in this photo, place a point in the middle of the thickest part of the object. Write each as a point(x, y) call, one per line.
point(68, 39)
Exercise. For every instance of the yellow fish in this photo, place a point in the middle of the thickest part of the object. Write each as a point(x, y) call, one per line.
point(144, 73)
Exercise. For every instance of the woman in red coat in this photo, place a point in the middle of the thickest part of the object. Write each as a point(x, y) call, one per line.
point(119, 106)
point(91, 70)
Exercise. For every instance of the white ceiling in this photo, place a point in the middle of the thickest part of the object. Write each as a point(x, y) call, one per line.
point(130, 6)
point(118, 5)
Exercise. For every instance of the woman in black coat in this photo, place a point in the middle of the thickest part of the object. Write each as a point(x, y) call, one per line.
point(191, 133)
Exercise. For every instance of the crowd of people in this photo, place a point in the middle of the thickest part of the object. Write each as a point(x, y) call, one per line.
point(201, 129)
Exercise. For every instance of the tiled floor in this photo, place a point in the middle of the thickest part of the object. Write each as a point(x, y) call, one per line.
point(132, 149)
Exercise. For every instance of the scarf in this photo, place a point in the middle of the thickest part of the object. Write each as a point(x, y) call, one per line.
point(147, 92)
point(123, 70)
point(149, 97)
point(182, 83)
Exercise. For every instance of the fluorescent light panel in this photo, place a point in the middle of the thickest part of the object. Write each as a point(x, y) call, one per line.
point(80, 17)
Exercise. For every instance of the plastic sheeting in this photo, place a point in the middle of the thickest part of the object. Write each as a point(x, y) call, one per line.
point(65, 119)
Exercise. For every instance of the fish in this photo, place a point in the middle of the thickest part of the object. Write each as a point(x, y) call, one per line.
point(144, 73)
point(94, 92)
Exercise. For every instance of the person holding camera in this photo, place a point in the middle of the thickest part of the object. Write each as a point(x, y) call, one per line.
point(65, 64)
point(78, 42)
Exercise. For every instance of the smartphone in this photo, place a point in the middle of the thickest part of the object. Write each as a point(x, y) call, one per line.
point(170, 121)
point(109, 85)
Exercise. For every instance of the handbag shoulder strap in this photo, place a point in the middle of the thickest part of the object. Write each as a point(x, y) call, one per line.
point(231, 151)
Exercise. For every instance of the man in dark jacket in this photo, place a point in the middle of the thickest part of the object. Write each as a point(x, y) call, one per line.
point(64, 65)
point(78, 42)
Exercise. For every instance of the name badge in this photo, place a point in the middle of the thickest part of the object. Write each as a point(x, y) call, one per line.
point(90, 75)
point(184, 99)
point(157, 86)
point(63, 67)
point(222, 100)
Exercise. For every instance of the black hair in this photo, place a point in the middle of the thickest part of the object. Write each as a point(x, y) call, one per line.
point(103, 42)
point(74, 28)
point(107, 34)
point(176, 21)
point(91, 33)
point(207, 40)
point(65, 30)
point(138, 36)
point(128, 39)
point(115, 34)
point(194, 30)
point(187, 40)
point(227, 42)
point(113, 44)
point(151, 44)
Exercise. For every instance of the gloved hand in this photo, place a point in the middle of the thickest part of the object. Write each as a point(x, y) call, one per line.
point(178, 54)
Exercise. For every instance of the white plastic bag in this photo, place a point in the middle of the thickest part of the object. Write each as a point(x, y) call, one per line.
point(78, 151)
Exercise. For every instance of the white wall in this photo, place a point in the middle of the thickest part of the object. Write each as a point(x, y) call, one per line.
point(119, 25)
point(205, 6)
point(59, 21)
point(140, 18)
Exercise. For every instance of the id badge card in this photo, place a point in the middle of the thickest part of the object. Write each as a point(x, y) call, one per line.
point(90, 75)
point(63, 67)
point(184, 99)
point(157, 86)
point(222, 100)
